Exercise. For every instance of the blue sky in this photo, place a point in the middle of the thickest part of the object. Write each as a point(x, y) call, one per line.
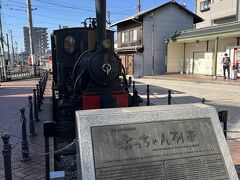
point(52, 13)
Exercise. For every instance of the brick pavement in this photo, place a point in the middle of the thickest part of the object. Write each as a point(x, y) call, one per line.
point(13, 96)
point(234, 146)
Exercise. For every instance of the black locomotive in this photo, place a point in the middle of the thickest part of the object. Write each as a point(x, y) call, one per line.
point(87, 74)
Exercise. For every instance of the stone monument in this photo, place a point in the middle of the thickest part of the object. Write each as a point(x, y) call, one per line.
point(177, 142)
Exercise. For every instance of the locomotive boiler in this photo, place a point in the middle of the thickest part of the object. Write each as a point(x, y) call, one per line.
point(85, 66)
point(87, 74)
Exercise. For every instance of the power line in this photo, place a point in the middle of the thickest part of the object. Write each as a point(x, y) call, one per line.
point(54, 17)
point(65, 6)
point(37, 21)
point(75, 8)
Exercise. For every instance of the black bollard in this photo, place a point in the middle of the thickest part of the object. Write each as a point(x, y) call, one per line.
point(148, 97)
point(223, 117)
point(35, 106)
point(169, 97)
point(38, 99)
point(41, 90)
point(45, 81)
point(48, 131)
point(31, 122)
point(203, 100)
point(7, 149)
point(129, 81)
point(25, 148)
point(134, 86)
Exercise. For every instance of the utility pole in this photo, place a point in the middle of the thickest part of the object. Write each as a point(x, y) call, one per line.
point(238, 12)
point(139, 6)
point(9, 58)
point(16, 52)
point(13, 54)
point(29, 11)
point(2, 56)
point(109, 20)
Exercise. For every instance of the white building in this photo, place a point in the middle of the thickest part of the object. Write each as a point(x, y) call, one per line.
point(200, 51)
point(216, 12)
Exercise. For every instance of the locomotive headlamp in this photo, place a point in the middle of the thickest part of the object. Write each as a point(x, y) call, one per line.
point(106, 43)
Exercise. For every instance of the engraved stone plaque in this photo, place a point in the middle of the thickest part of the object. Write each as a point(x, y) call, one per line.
point(162, 150)
point(148, 144)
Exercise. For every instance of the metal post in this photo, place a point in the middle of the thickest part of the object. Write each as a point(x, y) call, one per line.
point(40, 91)
point(133, 86)
point(48, 131)
point(13, 54)
point(38, 99)
point(7, 156)
point(215, 58)
point(148, 98)
point(139, 6)
point(25, 148)
point(223, 117)
point(2, 56)
point(45, 83)
point(169, 97)
point(31, 122)
point(129, 81)
point(41, 83)
point(35, 105)
point(53, 100)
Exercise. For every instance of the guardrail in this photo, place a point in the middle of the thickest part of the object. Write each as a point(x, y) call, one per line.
point(21, 75)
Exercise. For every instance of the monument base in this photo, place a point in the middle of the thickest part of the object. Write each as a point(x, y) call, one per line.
point(154, 142)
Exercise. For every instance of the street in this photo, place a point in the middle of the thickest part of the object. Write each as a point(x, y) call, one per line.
point(221, 96)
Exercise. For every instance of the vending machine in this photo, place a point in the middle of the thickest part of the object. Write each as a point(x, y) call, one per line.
point(236, 61)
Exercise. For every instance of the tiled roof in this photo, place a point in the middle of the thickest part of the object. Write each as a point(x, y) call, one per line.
point(143, 13)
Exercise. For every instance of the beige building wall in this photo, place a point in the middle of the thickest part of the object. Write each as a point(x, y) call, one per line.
point(175, 57)
point(191, 49)
point(200, 54)
point(220, 10)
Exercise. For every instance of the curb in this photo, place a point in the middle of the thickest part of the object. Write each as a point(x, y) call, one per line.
point(227, 82)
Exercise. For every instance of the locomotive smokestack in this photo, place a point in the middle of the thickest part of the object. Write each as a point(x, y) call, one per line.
point(101, 20)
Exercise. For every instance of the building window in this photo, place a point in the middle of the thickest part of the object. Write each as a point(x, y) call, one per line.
point(126, 36)
point(123, 37)
point(129, 36)
point(205, 5)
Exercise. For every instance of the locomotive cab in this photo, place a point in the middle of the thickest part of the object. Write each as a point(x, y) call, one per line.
point(86, 70)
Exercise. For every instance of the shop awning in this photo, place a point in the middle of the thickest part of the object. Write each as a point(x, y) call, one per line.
point(223, 30)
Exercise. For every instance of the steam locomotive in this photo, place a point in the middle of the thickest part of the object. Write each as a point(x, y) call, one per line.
point(87, 74)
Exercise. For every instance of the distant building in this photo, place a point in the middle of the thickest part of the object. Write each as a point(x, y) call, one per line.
point(140, 38)
point(40, 41)
point(216, 12)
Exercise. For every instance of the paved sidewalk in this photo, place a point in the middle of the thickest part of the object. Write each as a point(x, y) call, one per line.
point(221, 96)
point(195, 78)
point(13, 96)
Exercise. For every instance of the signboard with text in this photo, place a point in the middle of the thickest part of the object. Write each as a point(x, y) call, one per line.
point(150, 144)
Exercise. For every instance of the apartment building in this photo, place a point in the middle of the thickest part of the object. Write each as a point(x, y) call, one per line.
point(40, 41)
point(216, 12)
